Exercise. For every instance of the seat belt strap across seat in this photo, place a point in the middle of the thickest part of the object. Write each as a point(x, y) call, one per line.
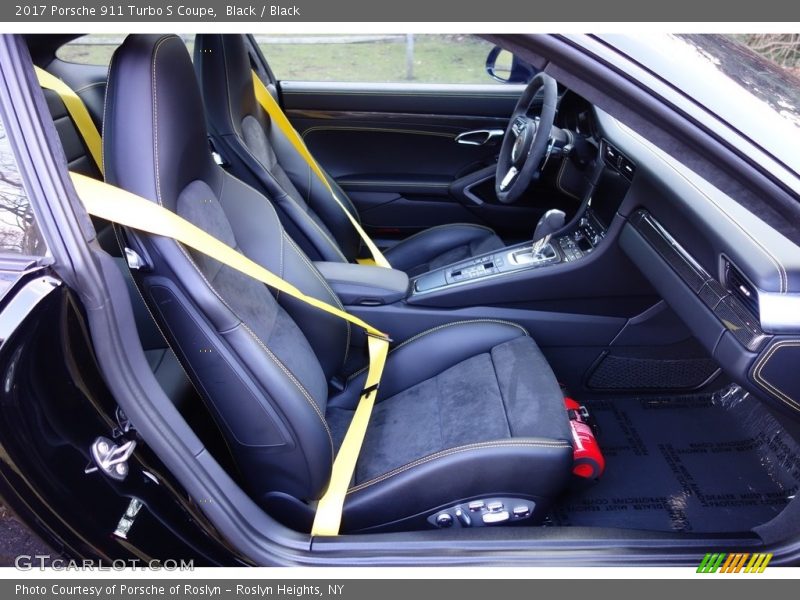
point(129, 210)
point(279, 118)
point(78, 113)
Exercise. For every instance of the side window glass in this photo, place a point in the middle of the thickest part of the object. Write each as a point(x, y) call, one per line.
point(404, 58)
point(19, 233)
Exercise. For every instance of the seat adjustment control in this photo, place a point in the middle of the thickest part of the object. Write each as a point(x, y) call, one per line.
point(491, 518)
point(521, 510)
point(483, 512)
point(463, 518)
point(444, 520)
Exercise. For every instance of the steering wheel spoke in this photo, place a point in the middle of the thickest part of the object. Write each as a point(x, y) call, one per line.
point(509, 178)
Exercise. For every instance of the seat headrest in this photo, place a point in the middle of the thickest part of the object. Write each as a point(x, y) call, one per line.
point(154, 132)
point(225, 74)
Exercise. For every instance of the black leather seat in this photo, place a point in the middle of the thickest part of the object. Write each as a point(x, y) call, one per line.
point(260, 152)
point(467, 410)
point(161, 359)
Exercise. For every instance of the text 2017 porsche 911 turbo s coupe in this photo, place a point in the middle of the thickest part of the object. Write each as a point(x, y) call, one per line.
point(554, 315)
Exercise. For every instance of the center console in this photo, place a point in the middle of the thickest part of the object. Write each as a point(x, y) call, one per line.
point(567, 247)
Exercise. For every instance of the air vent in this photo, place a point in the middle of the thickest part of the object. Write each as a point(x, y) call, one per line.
point(741, 288)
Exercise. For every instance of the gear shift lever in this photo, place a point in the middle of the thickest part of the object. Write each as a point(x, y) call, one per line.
point(551, 221)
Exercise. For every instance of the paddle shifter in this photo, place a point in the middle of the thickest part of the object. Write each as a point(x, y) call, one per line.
point(551, 221)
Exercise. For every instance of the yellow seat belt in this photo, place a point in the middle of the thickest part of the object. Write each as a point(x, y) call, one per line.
point(124, 208)
point(78, 113)
point(278, 117)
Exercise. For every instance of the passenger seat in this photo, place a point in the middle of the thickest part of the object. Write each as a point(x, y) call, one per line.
point(162, 360)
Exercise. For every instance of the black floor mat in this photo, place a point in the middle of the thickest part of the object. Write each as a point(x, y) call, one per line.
point(692, 463)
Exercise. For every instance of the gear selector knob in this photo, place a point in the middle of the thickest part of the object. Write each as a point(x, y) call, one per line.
point(551, 221)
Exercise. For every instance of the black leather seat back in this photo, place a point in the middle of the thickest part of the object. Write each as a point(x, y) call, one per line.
point(264, 378)
point(247, 137)
point(77, 154)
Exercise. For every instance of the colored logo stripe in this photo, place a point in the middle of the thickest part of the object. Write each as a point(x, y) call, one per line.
point(734, 563)
point(711, 563)
point(758, 563)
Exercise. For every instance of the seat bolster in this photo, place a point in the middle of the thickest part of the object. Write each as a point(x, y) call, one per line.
point(406, 496)
point(429, 353)
point(430, 243)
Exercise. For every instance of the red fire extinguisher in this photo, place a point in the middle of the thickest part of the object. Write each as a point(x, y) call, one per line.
point(588, 459)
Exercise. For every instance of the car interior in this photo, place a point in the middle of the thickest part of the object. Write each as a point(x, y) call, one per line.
point(585, 333)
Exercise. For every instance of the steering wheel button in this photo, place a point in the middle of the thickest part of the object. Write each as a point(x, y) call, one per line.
point(476, 505)
point(494, 506)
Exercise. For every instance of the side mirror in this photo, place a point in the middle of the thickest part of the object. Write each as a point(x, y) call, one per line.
point(504, 66)
point(499, 63)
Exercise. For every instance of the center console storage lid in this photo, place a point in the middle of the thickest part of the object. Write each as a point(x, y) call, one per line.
point(364, 284)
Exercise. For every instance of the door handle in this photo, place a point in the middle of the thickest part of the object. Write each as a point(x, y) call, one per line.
point(479, 137)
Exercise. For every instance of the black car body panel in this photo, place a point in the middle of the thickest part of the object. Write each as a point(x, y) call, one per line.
point(55, 404)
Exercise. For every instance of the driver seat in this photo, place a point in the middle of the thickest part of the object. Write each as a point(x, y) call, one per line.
point(469, 410)
point(261, 154)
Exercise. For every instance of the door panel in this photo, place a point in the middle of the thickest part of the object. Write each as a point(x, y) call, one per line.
point(393, 148)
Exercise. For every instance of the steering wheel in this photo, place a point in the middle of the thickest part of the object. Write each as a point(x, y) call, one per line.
point(525, 141)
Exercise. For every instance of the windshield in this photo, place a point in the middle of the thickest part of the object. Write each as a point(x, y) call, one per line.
point(759, 99)
point(770, 83)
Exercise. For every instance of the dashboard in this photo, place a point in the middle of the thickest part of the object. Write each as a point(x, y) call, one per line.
point(730, 277)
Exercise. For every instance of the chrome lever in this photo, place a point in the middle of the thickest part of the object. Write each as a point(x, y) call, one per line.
point(478, 137)
point(110, 458)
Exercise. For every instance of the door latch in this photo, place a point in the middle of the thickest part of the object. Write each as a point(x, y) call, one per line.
point(479, 137)
point(110, 458)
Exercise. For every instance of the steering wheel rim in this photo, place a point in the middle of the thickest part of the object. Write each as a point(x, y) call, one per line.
point(525, 141)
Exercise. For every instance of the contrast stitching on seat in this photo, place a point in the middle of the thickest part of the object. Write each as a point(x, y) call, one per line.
point(105, 106)
point(155, 114)
point(450, 452)
point(274, 212)
point(269, 353)
point(266, 349)
point(327, 287)
point(445, 326)
point(294, 380)
point(502, 398)
point(324, 235)
point(227, 84)
point(243, 144)
point(258, 340)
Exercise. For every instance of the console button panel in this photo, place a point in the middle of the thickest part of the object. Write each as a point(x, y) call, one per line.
point(477, 267)
point(581, 241)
